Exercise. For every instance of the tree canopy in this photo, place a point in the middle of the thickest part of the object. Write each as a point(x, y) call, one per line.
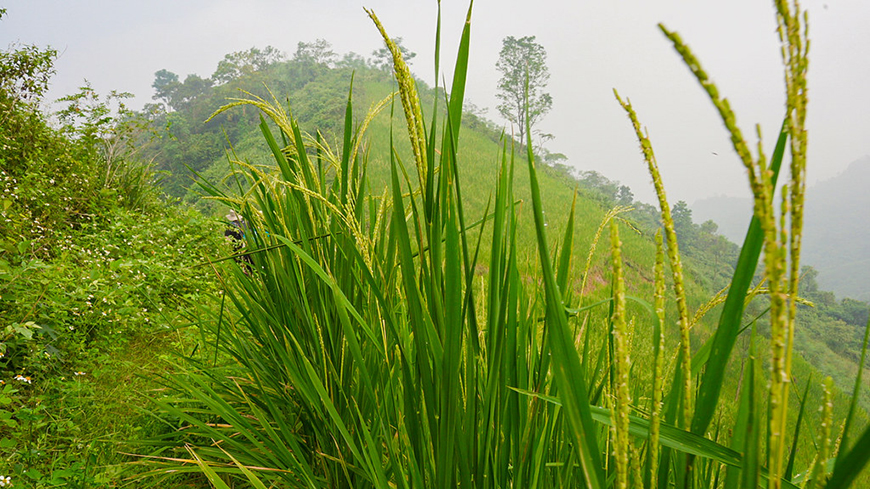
point(317, 52)
point(175, 94)
point(235, 65)
point(383, 59)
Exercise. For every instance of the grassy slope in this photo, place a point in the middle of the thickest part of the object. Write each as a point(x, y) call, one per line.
point(479, 155)
point(319, 104)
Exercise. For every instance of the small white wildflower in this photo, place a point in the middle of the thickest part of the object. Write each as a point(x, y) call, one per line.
point(5, 481)
point(24, 379)
point(79, 374)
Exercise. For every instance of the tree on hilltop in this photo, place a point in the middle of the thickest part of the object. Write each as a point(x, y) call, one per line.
point(165, 85)
point(383, 58)
point(520, 60)
point(175, 94)
point(241, 63)
point(317, 52)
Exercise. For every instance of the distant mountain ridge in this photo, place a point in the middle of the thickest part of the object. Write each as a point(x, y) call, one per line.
point(836, 228)
point(837, 238)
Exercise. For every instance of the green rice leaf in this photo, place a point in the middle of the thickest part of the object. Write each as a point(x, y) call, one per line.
point(567, 368)
point(849, 464)
point(789, 469)
point(725, 337)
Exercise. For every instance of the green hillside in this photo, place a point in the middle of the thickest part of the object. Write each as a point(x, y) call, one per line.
point(316, 94)
point(406, 307)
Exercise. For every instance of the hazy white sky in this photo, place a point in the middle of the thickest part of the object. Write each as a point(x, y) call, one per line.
point(593, 47)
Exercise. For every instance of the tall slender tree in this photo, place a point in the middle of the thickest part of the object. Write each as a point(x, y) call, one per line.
point(520, 60)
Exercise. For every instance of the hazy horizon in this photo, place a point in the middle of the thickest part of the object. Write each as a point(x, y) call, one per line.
point(592, 49)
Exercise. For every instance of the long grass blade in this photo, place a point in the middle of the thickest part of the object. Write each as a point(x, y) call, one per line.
point(850, 462)
point(789, 468)
point(671, 436)
point(566, 363)
point(728, 329)
point(750, 431)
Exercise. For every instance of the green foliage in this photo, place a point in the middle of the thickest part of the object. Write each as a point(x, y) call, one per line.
point(186, 145)
point(165, 85)
point(47, 180)
point(175, 94)
point(25, 72)
point(524, 75)
point(112, 135)
point(85, 326)
point(54, 180)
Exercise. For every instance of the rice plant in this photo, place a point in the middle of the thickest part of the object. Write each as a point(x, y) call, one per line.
point(362, 347)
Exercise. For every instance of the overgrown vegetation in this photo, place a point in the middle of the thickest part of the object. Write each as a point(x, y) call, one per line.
point(95, 274)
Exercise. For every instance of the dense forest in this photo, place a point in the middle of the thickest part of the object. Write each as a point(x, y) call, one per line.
point(406, 310)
